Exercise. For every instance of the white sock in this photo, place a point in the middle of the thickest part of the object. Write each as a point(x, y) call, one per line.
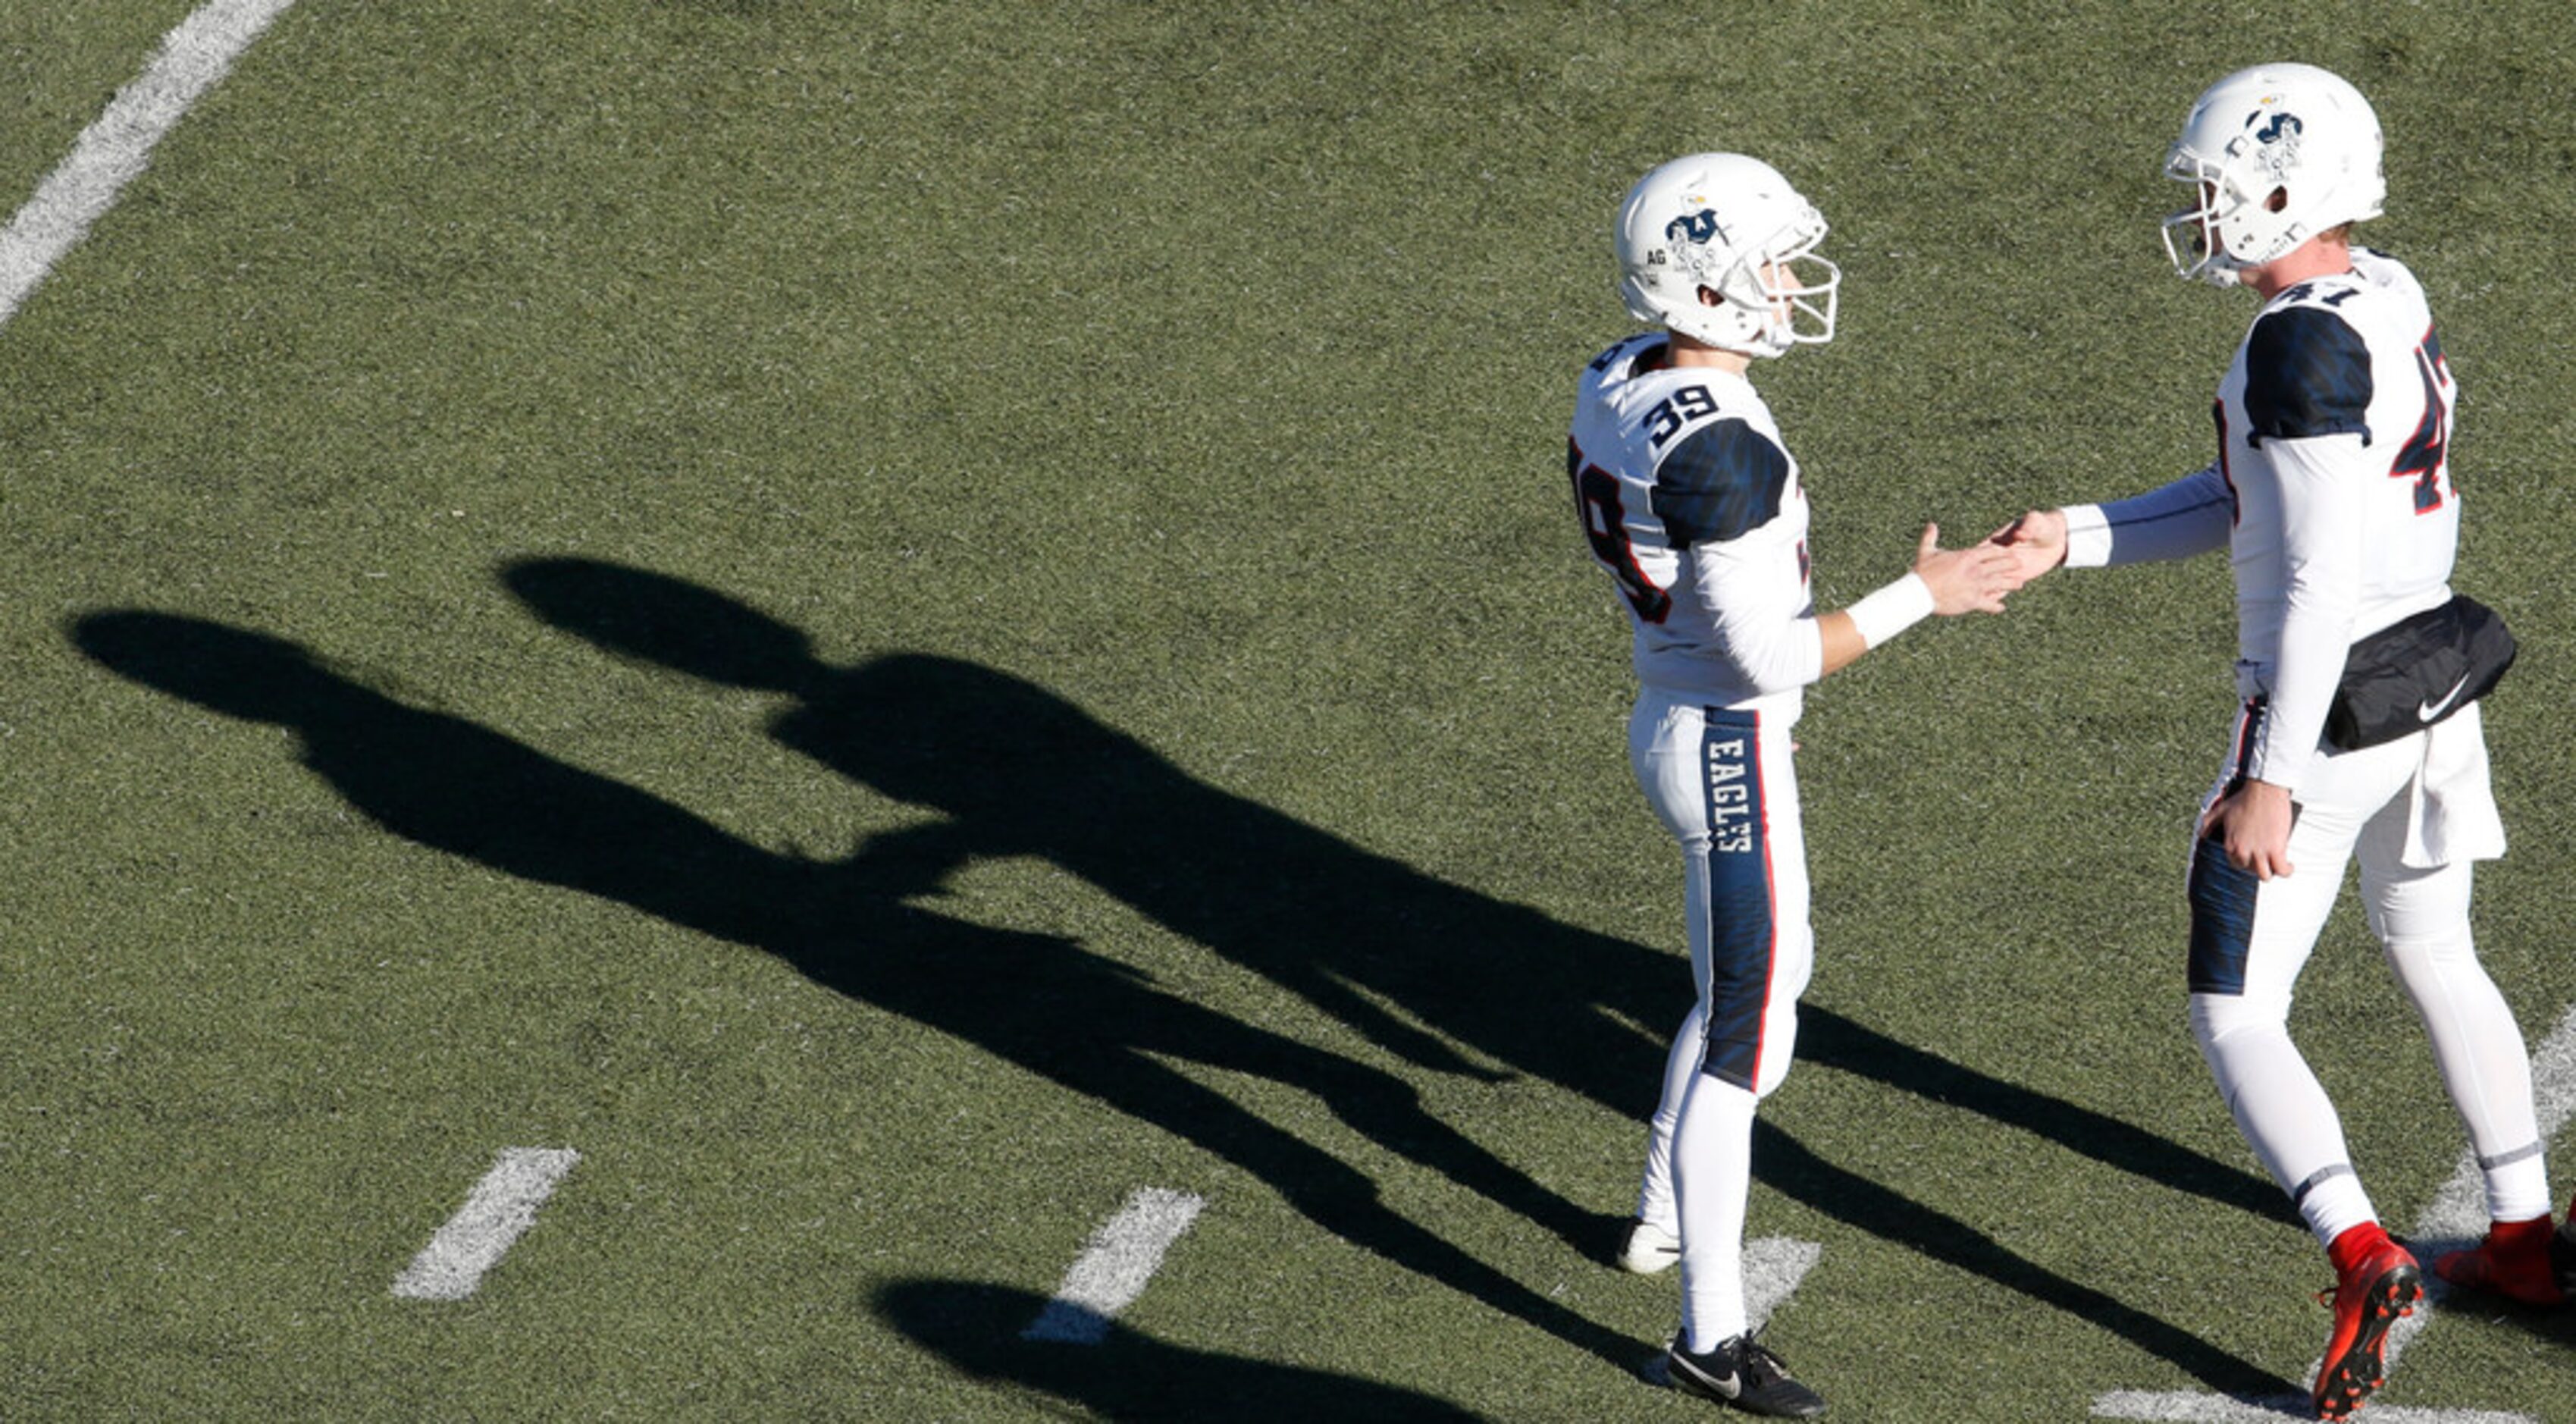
point(1712, 1157)
point(1655, 1204)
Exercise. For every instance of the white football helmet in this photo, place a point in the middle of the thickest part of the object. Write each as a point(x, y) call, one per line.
point(1730, 225)
point(2277, 154)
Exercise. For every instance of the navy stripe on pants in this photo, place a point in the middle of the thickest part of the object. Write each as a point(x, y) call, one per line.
point(2222, 894)
point(1743, 929)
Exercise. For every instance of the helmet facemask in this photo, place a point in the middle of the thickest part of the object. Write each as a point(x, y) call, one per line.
point(1794, 291)
point(2192, 241)
point(2241, 217)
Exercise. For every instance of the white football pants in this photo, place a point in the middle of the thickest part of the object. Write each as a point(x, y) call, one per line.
point(2416, 813)
point(1722, 781)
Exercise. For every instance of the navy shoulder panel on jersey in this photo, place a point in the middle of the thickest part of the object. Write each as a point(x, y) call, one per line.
point(1723, 479)
point(2307, 372)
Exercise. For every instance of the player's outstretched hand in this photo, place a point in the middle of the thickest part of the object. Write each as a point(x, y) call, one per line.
point(1970, 580)
point(2037, 541)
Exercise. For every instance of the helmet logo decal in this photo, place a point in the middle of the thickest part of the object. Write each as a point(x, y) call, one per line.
point(1697, 228)
point(2278, 142)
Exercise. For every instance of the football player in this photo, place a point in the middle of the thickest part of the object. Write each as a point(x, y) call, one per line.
point(1691, 501)
point(2332, 491)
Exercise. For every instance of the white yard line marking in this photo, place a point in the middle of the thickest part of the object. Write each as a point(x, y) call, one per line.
point(1113, 1269)
point(114, 148)
point(499, 1210)
point(2457, 1217)
point(1773, 1266)
point(2187, 1408)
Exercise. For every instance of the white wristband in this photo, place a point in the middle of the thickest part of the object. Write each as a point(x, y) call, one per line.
point(1891, 610)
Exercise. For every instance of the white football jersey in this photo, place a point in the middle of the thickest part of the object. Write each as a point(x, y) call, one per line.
point(2332, 490)
point(2334, 430)
point(1691, 501)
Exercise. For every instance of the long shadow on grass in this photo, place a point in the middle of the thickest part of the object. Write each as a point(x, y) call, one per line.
point(1021, 772)
point(1132, 1376)
point(1040, 1001)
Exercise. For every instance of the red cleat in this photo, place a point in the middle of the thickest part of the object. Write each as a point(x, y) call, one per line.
point(2376, 1283)
point(2513, 1262)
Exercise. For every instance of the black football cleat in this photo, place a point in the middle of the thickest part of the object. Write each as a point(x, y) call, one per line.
point(1742, 1374)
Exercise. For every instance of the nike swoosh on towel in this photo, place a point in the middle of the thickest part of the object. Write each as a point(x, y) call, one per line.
point(2431, 710)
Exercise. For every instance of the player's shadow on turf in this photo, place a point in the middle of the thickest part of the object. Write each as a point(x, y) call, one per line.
point(1840, 1042)
point(1129, 1375)
point(1040, 1001)
point(1020, 771)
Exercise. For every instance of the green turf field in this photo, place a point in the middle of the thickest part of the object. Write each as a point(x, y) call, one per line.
point(898, 621)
